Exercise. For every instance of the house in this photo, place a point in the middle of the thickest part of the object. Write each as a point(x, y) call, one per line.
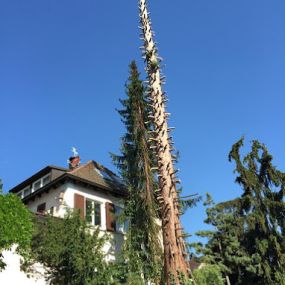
point(91, 188)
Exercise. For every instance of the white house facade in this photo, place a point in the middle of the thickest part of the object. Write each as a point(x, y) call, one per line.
point(96, 192)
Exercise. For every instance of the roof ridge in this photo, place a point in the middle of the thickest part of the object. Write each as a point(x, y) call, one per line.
point(58, 167)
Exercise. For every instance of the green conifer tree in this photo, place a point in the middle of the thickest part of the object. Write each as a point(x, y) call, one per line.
point(247, 242)
point(262, 208)
point(223, 248)
point(142, 250)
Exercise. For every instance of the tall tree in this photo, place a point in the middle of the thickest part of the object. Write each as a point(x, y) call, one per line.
point(223, 248)
point(247, 242)
point(142, 247)
point(263, 209)
point(175, 252)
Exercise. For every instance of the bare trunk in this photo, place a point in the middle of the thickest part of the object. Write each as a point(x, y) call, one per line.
point(221, 251)
point(228, 280)
point(174, 246)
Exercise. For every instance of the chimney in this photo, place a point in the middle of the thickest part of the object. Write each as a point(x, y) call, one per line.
point(74, 162)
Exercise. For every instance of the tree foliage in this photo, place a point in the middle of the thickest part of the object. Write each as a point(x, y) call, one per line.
point(223, 249)
point(142, 249)
point(247, 242)
point(15, 225)
point(70, 250)
point(208, 275)
point(262, 209)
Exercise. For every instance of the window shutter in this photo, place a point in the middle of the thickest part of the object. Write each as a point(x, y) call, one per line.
point(79, 202)
point(110, 217)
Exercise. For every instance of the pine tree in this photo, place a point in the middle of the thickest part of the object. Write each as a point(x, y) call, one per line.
point(223, 248)
point(262, 208)
point(142, 249)
point(247, 241)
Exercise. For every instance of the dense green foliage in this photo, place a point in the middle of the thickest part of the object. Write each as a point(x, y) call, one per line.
point(70, 250)
point(262, 210)
point(247, 242)
point(15, 225)
point(142, 249)
point(223, 248)
point(208, 275)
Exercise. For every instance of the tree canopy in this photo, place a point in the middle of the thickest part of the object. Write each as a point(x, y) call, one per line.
point(142, 248)
point(70, 251)
point(247, 241)
point(16, 225)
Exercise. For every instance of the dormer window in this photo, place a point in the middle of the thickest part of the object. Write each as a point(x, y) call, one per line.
point(26, 191)
point(37, 185)
point(103, 173)
point(46, 179)
point(41, 182)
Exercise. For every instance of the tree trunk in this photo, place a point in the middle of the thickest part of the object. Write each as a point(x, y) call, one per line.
point(173, 241)
point(228, 280)
point(221, 252)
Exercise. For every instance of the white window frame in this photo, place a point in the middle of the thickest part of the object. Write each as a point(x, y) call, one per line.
point(26, 188)
point(92, 223)
point(121, 227)
point(37, 181)
point(20, 194)
point(41, 180)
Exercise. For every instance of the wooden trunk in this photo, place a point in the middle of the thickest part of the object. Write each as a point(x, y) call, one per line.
point(175, 252)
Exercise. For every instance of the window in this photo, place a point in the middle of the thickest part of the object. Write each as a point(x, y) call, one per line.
point(93, 212)
point(51, 211)
point(20, 194)
point(118, 180)
point(41, 208)
point(110, 217)
point(114, 222)
point(109, 176)
point(27, 191)
point(121, 226)
point(46, 180)
point(104, 174)
point(41, 182)
point(37, 185)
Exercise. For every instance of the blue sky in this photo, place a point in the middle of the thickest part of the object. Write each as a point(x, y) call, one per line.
point(63, 65)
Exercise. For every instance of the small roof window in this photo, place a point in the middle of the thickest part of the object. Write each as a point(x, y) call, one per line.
point(103, 174)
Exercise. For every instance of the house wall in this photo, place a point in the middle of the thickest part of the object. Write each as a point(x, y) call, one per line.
point(52, 199)
point(13, 275)
point(91, 194)
point(112, 247)
point(67, 192)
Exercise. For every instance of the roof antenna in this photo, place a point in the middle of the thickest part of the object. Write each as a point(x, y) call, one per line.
point(74, 160)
